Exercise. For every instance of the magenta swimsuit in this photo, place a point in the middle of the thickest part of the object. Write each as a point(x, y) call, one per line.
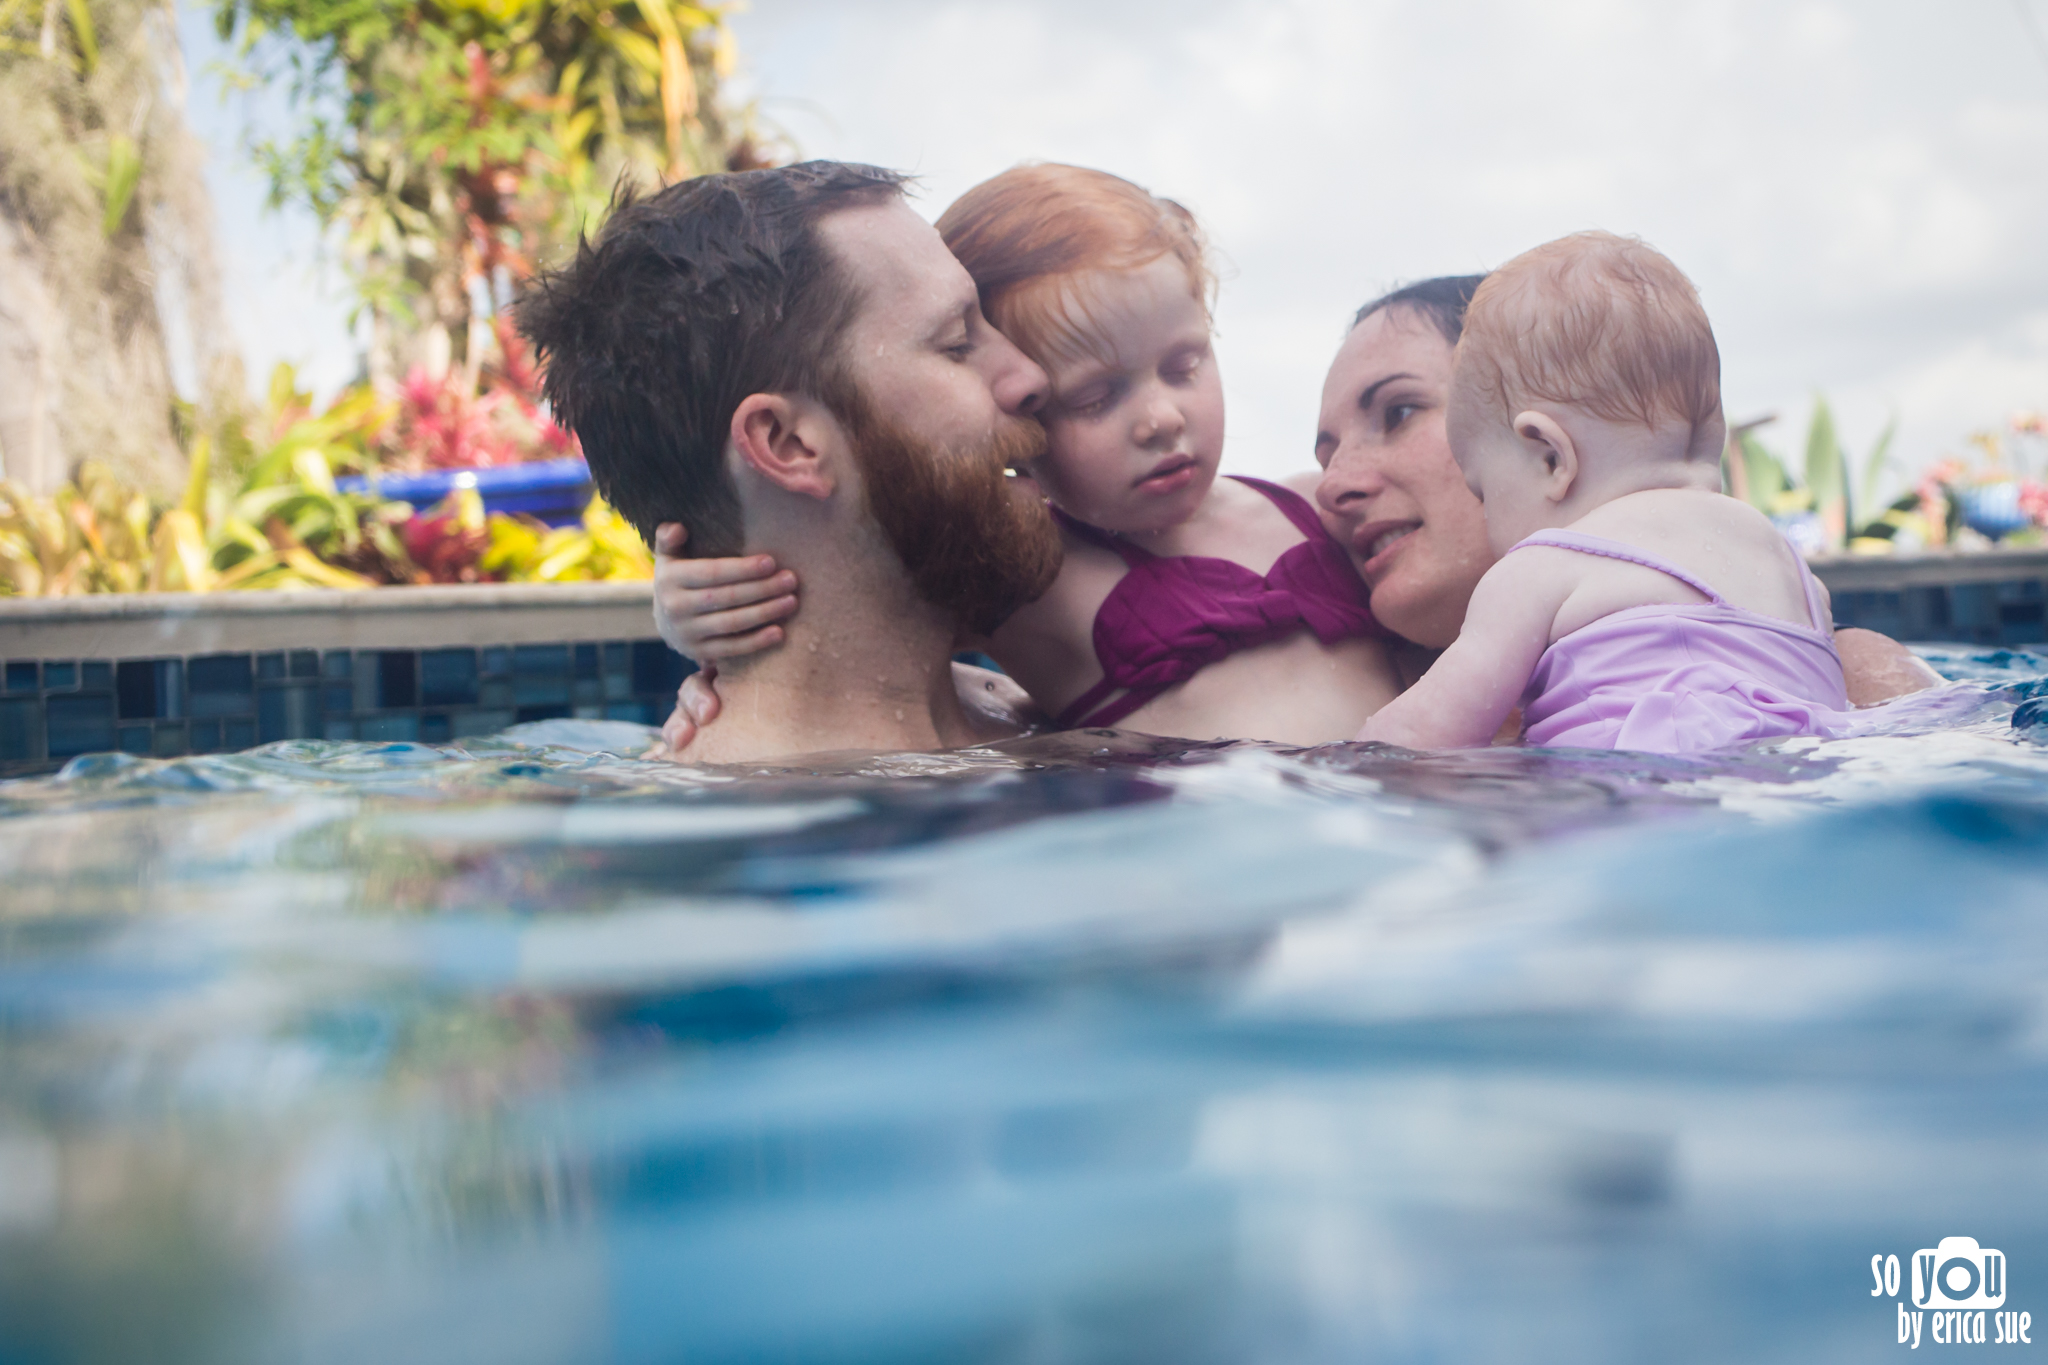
point(1680, 679)
point(1170, 617)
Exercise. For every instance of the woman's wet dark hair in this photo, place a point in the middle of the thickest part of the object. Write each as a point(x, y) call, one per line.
point(1442, 300)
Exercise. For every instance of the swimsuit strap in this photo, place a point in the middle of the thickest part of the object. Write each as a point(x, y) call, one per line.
point(1816, 611)
point(1132, 555)
point(1614, 549)
point(1292, 505)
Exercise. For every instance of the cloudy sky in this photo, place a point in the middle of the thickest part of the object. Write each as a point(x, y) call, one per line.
point(1860, 190)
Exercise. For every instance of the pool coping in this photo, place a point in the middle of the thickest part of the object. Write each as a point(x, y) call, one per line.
point(136, 625)
point(1894, 573)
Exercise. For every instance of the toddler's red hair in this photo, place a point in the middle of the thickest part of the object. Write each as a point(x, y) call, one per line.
point(1026, 234)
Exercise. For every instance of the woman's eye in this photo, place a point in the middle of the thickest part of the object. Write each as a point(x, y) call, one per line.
point(1399, 413)
point(960, 350)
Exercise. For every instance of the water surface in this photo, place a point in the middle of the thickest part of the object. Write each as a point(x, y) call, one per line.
point(1085, 1048)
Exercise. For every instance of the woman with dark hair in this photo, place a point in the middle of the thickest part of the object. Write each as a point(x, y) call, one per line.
point(1393, 496)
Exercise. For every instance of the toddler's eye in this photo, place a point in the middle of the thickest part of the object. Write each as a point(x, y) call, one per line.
point(960, 351)
point(1092, 401)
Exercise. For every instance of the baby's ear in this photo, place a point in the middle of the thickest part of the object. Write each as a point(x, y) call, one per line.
point(1551, 443)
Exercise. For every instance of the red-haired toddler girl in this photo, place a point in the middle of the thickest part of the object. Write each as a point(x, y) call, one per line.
point(1186, 605)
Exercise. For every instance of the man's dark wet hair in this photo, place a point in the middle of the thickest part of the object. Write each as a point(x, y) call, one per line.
point(1442, 300)
point(690, 300)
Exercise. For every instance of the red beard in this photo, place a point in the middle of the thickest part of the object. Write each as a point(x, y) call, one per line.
point(975, 542)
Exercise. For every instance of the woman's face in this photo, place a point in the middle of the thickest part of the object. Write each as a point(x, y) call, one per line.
point(1391, 493)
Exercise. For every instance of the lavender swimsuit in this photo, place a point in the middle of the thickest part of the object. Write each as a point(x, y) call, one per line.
point(1681, 679)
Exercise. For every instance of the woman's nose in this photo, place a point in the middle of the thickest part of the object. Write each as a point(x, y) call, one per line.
point(1351, 478)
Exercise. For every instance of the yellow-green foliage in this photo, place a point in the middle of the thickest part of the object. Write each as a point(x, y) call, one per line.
point(277, 520)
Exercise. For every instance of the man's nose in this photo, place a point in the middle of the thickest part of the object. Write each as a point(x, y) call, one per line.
point(1019, 385)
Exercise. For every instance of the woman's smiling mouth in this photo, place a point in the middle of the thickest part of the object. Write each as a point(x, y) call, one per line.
point(1375, 542)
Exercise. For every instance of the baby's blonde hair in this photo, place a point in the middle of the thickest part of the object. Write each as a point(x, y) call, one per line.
point(1600, 322)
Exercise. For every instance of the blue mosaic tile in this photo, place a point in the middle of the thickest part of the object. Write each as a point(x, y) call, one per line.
point(79, 725)
point(220, 685)
point(21, 730)
point(448, 677)
point(227, 702)
point(540, 679)
point(150, 689)
point(397, 678)
point(657, 668)
point(470, 723)
point(287, 713)
point(389, 729)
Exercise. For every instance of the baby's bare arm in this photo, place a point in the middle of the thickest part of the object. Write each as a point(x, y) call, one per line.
point(1462, 700)
point(1878, 668)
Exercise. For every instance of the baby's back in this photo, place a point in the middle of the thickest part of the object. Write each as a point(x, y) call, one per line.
point(1726, 544)
point(1688, 624)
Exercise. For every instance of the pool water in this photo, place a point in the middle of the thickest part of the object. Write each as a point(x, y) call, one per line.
point(1088, 1048)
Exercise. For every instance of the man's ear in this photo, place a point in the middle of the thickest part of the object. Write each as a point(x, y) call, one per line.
point(790, 442)
point(1551, 443)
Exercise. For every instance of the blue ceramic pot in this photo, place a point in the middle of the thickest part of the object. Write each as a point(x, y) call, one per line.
point(556, 491)
point(1993, 509)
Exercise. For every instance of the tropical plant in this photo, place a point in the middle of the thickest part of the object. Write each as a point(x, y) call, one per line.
point(1818, 508)
point(103, 212)
point(279, 520)
point(455, 143)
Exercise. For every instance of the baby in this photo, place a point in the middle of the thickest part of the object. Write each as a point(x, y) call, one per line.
point(1186, 605)
point(1633, 606)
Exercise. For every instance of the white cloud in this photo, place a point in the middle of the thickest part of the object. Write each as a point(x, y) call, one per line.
point(1856, 188)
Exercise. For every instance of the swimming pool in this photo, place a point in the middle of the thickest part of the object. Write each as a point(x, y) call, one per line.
point(1090, 1049)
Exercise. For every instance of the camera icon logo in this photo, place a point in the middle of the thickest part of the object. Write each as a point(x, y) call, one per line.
point(1958, 1274)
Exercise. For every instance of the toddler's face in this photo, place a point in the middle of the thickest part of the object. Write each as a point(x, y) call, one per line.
point(1504, 471)
point(1135, 423)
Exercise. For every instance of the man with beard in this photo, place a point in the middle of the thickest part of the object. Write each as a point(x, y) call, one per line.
point(790, 362)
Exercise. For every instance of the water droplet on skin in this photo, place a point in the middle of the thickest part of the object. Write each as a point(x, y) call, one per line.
point(899, 713)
